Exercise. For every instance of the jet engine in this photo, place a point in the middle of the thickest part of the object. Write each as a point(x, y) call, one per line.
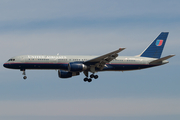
point(76, 67)
point(65, 74)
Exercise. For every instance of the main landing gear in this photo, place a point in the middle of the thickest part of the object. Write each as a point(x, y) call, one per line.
point(90, 79)
point(93, 76)
point(24, 73)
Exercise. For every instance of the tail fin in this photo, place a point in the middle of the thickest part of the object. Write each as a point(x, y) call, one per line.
point(154, 50)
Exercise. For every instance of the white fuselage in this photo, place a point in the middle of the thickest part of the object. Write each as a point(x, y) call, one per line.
point(60, 62)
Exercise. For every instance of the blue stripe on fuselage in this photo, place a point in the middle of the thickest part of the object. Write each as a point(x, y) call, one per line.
point(122, 67)
point(64, 66)
point(36, 65)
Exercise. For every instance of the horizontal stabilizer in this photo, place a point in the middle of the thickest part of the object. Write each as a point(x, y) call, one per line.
point(161, 59)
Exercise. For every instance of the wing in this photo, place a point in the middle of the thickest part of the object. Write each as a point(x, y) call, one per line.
point(100, 61)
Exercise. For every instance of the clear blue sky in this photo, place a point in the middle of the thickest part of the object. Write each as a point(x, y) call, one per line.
point(89, 27)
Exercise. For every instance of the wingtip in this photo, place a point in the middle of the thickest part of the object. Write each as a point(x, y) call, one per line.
point(173, 55)
point(122, 48)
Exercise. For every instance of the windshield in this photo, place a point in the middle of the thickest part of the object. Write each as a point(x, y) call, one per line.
point(11, 60)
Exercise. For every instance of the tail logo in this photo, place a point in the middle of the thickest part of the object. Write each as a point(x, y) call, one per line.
point(159, 42)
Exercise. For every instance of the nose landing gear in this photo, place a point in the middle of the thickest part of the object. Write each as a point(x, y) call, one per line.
point(24, 73)
point(25, 77)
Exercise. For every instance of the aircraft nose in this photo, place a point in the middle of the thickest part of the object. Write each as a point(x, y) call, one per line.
point(5, 65)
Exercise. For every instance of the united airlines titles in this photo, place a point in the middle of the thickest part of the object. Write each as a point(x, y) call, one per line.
point(46, 57)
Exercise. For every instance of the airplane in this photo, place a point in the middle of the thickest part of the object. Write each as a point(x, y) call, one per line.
point(69, 66)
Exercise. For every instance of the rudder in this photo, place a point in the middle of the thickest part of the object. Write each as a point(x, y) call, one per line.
point(154, 50)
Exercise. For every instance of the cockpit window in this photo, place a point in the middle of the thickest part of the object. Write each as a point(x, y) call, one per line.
point(11, 60)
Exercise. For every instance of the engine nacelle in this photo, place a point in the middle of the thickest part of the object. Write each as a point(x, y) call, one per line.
point(76, 67)
point(65, 74)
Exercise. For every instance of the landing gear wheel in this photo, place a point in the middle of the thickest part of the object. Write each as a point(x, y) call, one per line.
point(91, 76)
point(95, 76)
point(89, 80)
point(85, 79)
point(25, 77)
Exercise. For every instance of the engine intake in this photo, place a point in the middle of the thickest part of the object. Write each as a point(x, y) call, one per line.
point(76, 67)
point(65, 74)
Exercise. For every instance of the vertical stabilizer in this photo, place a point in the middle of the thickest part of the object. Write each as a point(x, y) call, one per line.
point(154, 50)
